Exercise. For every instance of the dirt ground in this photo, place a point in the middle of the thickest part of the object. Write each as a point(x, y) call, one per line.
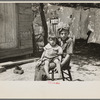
point(85, 65)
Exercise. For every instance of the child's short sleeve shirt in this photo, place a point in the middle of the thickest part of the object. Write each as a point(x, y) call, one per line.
point(51, 52)
point(68, 46)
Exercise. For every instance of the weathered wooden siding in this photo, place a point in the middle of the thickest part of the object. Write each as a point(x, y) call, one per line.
point(15, 29)
point(8, 38)
point(25, 25)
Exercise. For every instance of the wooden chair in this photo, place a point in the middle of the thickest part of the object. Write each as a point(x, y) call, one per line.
point(65, 67)
point(40, 73)
point(65, 71)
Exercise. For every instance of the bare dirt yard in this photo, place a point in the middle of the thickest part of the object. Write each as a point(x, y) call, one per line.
point(85, 65)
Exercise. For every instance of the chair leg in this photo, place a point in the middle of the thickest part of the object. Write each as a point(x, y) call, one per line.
point(52, 75)
point(70, 76)
point(62, 75)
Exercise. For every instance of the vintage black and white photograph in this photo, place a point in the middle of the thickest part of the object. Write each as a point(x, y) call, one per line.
point(50, 42)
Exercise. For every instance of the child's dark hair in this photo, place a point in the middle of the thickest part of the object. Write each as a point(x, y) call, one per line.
point(52, 36)
point(63, 29)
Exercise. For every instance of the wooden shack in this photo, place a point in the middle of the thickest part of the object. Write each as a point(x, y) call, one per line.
point(15, 29)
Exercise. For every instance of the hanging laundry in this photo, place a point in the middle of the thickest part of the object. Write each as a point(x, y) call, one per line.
point(84, 23)
point(76, 23)
point(65, 15)
point(97, 26)
point(91, 25)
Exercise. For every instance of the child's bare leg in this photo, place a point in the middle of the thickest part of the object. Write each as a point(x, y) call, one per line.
point(58, 67)
point(46, 68)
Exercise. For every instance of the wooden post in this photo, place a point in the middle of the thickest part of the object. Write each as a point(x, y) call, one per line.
point(44, 25)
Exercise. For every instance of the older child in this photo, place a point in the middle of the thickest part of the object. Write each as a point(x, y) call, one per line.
point(52, 53)
point(67, 44)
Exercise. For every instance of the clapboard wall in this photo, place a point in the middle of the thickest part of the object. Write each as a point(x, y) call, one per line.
point(25, 25)
point(8, 38)
point(15, 29)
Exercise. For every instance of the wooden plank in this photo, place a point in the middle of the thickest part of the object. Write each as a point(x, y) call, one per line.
point(10, 21)
point(26, 17)
point(15, 52)
point(12, 63)
point(9, 35)
point(25, 25)
point(25, 29)
point(2, 24)
point(7, 45)
point(8, 26)
point(25, 8)
point(26, 43)
point(24, 5)
point(26, 35)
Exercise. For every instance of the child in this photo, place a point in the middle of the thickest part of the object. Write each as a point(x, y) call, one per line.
point(52, 53)
point(67, 44)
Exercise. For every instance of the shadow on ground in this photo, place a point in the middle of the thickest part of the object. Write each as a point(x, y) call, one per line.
point(85, 65)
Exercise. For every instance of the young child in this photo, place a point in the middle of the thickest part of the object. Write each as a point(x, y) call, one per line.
point(52, 53)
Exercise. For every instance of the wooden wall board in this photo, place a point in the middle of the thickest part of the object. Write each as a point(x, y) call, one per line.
point(2, 24)
point(15, 29)
point(8, 26)
point(25, 15)
point(15, 52)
